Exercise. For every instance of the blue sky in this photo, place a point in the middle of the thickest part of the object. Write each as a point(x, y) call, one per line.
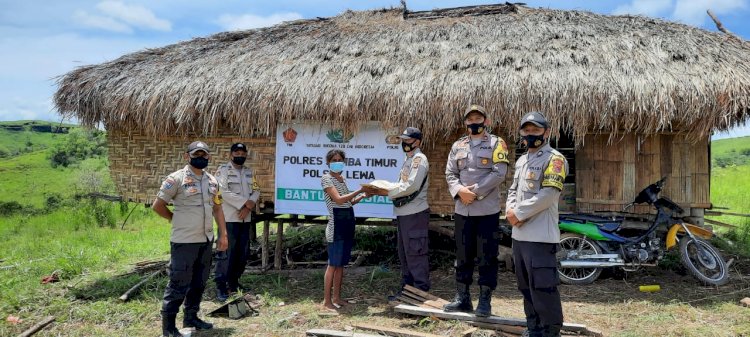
point(43, 39)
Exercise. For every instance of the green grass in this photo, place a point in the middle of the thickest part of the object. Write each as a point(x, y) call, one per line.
point(29, 179)
point(13, 143)
point(729, 188)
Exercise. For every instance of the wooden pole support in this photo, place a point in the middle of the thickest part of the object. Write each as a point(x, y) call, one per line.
point(279, 245)
point(264, 245)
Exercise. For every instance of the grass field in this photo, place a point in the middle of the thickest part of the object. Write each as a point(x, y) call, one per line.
point(82, 242)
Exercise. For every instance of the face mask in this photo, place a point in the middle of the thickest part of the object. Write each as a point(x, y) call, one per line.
point(533, 141)
point(407, 147)
point(337, 166)
point(476, 128)
point(239, 160)
point(199, 162)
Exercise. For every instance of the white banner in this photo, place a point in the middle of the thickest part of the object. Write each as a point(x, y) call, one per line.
point(372, 153)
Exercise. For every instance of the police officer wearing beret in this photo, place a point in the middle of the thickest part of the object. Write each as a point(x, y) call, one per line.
point(476, 166)
point(532, 211)
point(240, 192)
point(197, 201)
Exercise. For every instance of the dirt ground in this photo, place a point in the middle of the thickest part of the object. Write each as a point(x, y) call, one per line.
point(612, 305)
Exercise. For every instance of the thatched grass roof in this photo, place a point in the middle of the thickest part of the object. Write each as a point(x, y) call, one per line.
point(585, 71)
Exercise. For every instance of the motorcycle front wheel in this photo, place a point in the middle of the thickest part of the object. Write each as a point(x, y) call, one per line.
point(703, 261)
point(572, 245)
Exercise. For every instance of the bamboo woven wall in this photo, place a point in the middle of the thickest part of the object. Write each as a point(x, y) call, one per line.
point(611, 175)
point(608, 175)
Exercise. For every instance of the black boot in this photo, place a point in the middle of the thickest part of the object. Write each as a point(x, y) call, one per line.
point(168, 325)
point(484, 309)
point(191, 320)
point(462, 302)
point(551, 330)
point(533, 328)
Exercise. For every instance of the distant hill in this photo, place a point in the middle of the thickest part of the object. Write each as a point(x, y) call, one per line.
point(730, 151)
point(19, 137)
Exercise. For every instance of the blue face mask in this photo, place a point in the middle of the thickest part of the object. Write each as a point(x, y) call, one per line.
point(337, 166)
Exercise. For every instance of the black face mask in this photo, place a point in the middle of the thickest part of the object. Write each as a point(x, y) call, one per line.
point(239, 160)
point(533, 141)
point(407, 147)
point(476, 128)
point(199, 162)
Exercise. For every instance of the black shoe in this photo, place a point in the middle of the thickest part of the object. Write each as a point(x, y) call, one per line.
point(533, 328)
point(168, 326)
point(395, 296)
point(551, 330)
point(484, 309)
point(191, 320)
point(462, 301)
point(221, 295)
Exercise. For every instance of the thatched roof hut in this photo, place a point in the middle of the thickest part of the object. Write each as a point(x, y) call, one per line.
point(624, 75)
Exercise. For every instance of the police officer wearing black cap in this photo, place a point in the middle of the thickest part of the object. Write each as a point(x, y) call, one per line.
point(532, 211)
point(476, 166)
point(240, 193)
point(412, 212)
point(196, 198)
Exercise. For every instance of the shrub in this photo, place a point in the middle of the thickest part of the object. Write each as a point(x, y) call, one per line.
point(78, 145)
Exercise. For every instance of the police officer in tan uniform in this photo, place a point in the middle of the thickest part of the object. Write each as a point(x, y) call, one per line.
point(532, 211)
point(412, 212)
point(476, 166)
point(240, 192)
point(197, 201)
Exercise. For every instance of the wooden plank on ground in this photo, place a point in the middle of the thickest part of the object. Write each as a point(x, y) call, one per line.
point(424, 294)
point(462, 316)
point(512, 329)
point(719, 223)
point(336, 333)
point(726, 213)
point(396, 332)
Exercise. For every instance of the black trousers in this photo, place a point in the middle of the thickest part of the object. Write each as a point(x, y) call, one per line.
point(476, 244)
point(412, 249)
point(189, 266)
point(231, 264)
point(536, 272)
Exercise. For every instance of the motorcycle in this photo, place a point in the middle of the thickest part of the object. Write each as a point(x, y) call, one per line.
point(590, 243)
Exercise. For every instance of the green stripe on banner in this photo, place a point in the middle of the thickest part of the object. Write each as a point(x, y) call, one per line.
point(303, 194)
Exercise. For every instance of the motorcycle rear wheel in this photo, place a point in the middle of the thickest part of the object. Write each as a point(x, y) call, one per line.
point(577, 276)
point(703, 261)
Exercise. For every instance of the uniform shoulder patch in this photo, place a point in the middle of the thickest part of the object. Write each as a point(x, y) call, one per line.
point(416, 161)
point(500, 155)
point(554, 174)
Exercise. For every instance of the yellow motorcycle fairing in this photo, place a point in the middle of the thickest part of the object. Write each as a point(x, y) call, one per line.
point(697, 231)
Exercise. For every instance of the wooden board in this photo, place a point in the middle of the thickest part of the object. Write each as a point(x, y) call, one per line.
point(336, 333)
point(462, 316)
point(396, 332)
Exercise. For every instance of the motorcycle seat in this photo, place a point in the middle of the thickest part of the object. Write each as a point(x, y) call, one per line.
point(605, 224)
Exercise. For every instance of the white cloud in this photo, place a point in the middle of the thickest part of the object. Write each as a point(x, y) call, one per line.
point(250, 21)
point(653, 8)
point(101, 22)
point(694, 11)
point(137, 16)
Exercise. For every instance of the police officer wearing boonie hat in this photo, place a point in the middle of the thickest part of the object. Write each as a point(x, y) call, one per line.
point(532, 211)
point(240, 193)
point(476, 166)
point(197, 201)
point(412, 211)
